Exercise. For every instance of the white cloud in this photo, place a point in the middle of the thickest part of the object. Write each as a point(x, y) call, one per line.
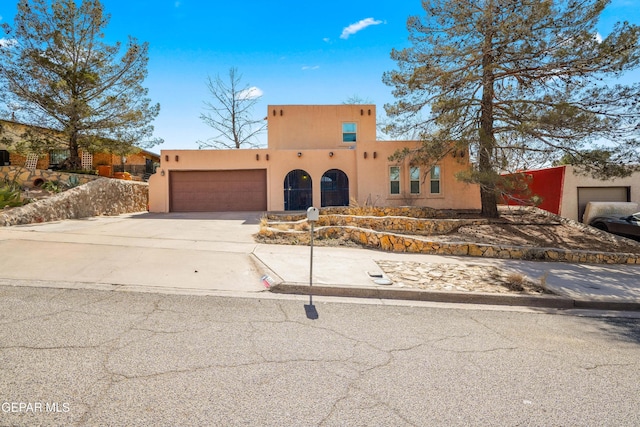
point(360, 25)
point(326, 39)
point(8, 42)
point(250, 93)
point(309, 67)
point(598, 37)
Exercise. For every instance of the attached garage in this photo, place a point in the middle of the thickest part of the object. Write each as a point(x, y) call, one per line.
point(218, 191)
point(600, 194)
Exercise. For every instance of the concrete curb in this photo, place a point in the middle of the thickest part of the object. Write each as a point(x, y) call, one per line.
point(551, 301)
point(540, 301)
point(607, 305)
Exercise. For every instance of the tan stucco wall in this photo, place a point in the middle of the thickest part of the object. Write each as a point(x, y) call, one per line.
point(368, 178)
point(318, 126)
point(374, 186)
point(310, 138)
point(569, 202)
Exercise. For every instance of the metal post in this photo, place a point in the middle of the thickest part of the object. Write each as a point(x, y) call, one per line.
point(311, 260)
point(312, 217)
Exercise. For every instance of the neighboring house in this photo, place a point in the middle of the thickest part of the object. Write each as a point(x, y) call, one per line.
point(141, 164)
point(566, 193)
point(317, 155)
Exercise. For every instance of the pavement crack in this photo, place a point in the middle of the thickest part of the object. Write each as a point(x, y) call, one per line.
point(608, 365)
point(61, 347)
point(487, 350)
point(282, 310)
point(110, 347)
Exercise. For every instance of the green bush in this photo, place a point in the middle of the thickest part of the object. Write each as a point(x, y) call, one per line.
point(73, 181)
point(10, 197)
point(52, 186)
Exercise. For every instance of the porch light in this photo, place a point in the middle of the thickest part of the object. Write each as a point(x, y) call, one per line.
point(299, 154)
point(330, 153)
point(162, 172)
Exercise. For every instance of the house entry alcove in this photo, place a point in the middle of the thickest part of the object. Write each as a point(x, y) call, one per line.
point(297, 190)
point(334, 188)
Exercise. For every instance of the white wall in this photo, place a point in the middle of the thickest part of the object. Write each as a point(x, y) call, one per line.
point(569, 202)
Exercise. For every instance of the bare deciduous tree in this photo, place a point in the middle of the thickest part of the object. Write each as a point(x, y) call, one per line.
point(230, 113)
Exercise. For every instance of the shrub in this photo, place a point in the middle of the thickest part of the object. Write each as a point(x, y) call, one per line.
point(10, 197)
point(52, 186)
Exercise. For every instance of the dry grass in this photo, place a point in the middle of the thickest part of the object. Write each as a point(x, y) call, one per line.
point(516, 282)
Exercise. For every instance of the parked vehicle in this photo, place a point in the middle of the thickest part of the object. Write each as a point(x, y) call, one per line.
point(627, 226)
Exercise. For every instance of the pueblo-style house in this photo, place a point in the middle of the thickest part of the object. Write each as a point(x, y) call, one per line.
point(317, 155)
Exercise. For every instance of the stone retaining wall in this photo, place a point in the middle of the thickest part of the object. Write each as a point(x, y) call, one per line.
point(404, 211)
point(27, 178)
point(102, 196)
point(385, 233)
point(413, 244)
point(419, 226)
point(375, 211)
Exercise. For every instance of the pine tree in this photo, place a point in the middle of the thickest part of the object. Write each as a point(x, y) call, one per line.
point(518, 80)
point(57, 74)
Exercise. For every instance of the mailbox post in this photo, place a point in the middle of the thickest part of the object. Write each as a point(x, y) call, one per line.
point(312, 216)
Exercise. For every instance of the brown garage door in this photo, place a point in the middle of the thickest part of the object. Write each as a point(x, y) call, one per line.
point(600, 194)
point(218, 191)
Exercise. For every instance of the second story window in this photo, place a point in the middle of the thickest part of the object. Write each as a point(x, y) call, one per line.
point(349, 131)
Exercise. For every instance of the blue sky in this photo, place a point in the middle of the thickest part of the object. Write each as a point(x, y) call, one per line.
point(294, 51)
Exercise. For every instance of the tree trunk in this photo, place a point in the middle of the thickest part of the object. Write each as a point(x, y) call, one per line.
point(487, 139)
point(75, 162)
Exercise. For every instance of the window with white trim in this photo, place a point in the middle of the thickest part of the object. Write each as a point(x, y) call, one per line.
point(394, 179)
point(434, 176)
point(349, 132)
point(414, 180)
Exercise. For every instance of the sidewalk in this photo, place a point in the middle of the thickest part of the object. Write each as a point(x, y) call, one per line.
point(344, 272)
point(215, 254)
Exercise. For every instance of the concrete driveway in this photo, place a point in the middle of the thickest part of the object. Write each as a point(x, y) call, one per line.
point(145, 251)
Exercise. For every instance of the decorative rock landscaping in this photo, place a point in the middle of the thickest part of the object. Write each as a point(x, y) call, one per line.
point(103, 196)
point(424, 234)
point(459, 278)
point(32, 178)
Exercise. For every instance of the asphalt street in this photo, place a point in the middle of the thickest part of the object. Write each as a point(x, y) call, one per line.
point(83, 357)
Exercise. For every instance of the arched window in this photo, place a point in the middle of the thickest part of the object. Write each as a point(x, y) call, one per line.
point(297, 191)
point(334, 188)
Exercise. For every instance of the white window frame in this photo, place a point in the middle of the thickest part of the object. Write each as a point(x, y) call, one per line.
point(414, 179)
point(398, 180)
point(354, 133)
point(433, 181)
